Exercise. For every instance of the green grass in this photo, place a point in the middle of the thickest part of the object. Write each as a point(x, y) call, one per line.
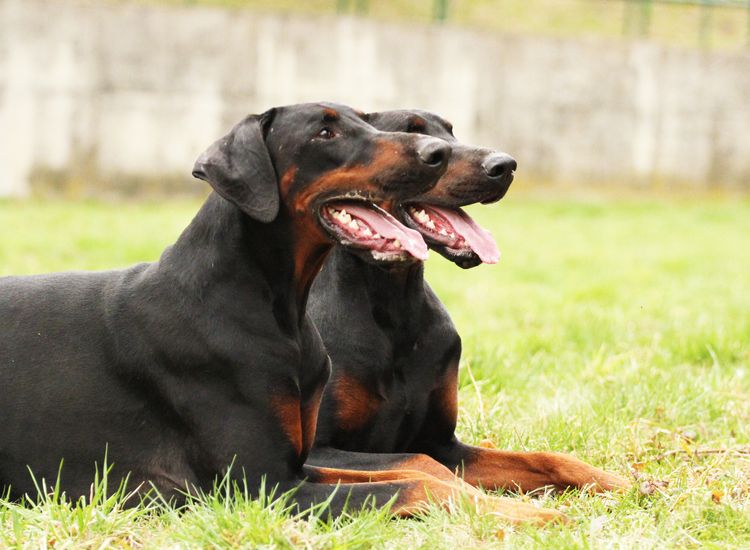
point(617, 329)
point(686, 24)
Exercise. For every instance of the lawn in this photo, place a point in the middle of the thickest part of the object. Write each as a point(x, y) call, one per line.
point(615, 328)
point(684, 23)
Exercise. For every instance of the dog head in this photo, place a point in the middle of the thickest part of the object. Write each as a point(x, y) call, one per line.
point(328, 169)
point(474, 175)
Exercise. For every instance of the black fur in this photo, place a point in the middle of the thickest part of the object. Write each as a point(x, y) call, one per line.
point(173, 366)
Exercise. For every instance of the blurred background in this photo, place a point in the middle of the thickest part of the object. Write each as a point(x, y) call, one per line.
point(616, 325)
point(112, 98)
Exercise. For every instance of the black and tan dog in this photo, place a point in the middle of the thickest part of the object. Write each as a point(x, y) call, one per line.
point(205, 358)
point(395, 351)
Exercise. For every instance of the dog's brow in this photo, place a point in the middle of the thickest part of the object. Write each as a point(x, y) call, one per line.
point(330, 115)
point(417, 123)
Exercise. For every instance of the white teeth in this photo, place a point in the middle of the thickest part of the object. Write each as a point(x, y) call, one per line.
point(421, 216)
point(376, 236)
point(366, 232)
point(443, 231)
point(343, 217)
point(397, 243)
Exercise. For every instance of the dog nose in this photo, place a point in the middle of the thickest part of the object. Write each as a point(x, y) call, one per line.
point(499, 165)
point(434, 152)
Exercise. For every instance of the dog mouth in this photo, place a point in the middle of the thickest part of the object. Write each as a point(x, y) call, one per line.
point(454, 230)
point(365, 226)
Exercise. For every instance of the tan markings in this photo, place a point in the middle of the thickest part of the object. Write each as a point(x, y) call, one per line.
point(310, 412)
point(417, 490)
point(417, 124)
point(355, 404)
point(418, 493)
point(287, 180)
point(389, 205)
point(445, 397)
point(414, 466)
point(335, 475)
point(330, 115)
point(310, 249)
point(494, 469)
point(287, 409)
point(426, 464)
point(388, 158)
point(459, 174)
point(311, 243)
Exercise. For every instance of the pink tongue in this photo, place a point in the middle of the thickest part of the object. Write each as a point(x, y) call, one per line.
point(390, 228)
point(479, 239)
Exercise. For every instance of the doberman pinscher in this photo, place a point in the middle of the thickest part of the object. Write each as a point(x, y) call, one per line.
point(206, 358)
point(395, 350)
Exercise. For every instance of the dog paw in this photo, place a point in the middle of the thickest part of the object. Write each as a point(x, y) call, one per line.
point(519, 512)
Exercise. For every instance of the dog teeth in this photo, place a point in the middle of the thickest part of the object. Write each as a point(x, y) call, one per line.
point(376, 236)
point(366, 232)
point(421, 216)
point(424, 218)
point(443, 231)
point(343, 217)
point(397, 243)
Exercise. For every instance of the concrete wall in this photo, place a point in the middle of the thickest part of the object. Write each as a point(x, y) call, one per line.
point(112, 96)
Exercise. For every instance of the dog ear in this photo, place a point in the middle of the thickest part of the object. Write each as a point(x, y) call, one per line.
point(239, 169)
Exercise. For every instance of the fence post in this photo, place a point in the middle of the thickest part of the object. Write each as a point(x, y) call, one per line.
point(637, 18)
point(440, 10)
point(645, 26)
point(362, 7)
point(359, 6)
point(705, 31)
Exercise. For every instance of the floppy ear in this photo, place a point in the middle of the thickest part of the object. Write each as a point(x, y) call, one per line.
point(239, 169)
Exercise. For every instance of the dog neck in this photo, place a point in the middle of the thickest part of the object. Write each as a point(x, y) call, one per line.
point(309, 252)
point(224, 246)
point(396, 291)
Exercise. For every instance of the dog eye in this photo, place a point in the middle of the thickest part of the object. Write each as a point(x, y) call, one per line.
point(327, 133)
point(415, 127)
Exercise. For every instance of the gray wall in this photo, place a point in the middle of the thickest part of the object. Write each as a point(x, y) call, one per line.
point(111, 96)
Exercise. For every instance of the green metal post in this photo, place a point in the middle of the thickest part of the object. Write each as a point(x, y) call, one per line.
point(705, 28)
point(440, 10)
point(362, 7)
point(645, 22)
point(626, 17)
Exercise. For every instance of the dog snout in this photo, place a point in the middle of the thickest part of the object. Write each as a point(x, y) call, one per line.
point(499, 165)
point(434, 152)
